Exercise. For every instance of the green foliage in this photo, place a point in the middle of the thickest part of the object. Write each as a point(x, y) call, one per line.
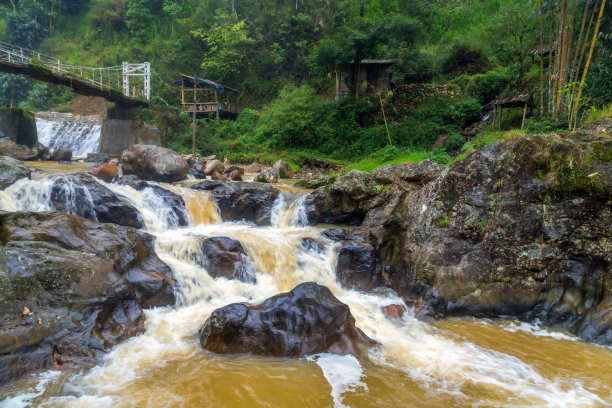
point(464, 59)
point(228, 46)
point(453, 142)
point(484, 87)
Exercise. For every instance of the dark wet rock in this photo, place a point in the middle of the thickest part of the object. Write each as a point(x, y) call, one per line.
point(219, 177)
point(267, 175)
point(43, 152)
point(85, 284)
point(235, 175)
point(97, 158)
point(62, 154)
point(282, 169)
point(238, 201)
point(12, 170)
point(312, 245)
point(18, 125)
point(358, 266)
point(154, 163)
point(177, 216)
point(224, 257)
point(307, 320)
point(198, 174)
point(81, 194)
point(517, 228)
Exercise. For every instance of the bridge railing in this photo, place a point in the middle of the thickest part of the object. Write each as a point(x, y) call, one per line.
point(114, 77)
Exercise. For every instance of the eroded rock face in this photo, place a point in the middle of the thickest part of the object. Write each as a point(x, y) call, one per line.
point(81, 194)
point(153, 163)
point(12, 170)
point(519, 228)
point(224, 257)
point(86, 285)
point(306, 320)
point(282, 169)
point(242, 200)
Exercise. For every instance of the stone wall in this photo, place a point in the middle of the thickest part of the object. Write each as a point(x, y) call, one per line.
point(119, 134)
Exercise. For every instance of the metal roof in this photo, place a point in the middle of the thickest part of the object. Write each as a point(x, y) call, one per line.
point(195, 82)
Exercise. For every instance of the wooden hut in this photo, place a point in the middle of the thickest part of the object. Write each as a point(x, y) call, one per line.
point(374, 73)
point(521, 100)
point(203, 96)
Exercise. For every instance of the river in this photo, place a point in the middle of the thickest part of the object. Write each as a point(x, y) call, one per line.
point(451, 362)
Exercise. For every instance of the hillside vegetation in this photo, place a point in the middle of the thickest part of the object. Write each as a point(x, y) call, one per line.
point(283, 55)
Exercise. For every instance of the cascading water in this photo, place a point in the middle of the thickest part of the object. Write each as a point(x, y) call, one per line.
point(450, 363)
point(79, 133)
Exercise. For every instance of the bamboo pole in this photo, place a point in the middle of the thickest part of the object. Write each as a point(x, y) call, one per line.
point(541, 58)
point(561, 57)
point(494, 117)
point(385, 117)
point(524, 116)
point(586, 67)
point(193, 135)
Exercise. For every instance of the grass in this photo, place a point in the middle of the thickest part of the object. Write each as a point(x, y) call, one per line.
point(407, 155)
point(603, 113)
point(486, 138)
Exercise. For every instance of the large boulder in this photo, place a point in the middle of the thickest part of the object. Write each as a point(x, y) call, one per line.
point(253, 168)
point(224, 257)
point(307, 320)
point(19, 126)
point(282, 169)
point(213, 166)
point(518, 228)
point(240, 201)
point(80, 194)
point(267, 175)
point(12, 170)
point(71, 289)
point(150, 162)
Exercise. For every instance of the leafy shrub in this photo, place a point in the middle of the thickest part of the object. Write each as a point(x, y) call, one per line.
point(454, 142)
point(464, 111)
point(464, 59)
point(389, 153)
point(485, 87)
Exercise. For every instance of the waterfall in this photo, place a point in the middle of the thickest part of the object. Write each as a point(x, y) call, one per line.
point(79, 133)
point(415, 362)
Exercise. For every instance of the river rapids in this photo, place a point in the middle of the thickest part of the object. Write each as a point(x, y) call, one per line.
point(453, 362)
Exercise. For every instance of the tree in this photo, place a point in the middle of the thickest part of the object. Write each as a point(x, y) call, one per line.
point(363, 38)
point(228, 48)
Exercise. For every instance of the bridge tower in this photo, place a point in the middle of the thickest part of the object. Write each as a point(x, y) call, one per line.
point(137, 70)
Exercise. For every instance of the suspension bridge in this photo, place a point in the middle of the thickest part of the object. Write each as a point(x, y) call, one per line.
point(126, 85)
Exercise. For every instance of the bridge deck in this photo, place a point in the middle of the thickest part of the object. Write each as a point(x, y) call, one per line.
point(79, 85)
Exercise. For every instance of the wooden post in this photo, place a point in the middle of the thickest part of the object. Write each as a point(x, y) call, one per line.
point(193, 136)
point(494, 117)
point(183, 92)
point(501, 116)
point(217, 105)
point(524, 115)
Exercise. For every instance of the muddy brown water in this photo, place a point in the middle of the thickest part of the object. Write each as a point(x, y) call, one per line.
point(447, 363)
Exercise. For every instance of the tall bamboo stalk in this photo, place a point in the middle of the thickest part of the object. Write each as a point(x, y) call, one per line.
point(562, 54)
point(579, 51)
point(586, 66)
point(550, 59)
point(541, 58)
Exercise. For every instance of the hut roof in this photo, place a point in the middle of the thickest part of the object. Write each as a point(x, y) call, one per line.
point(514, 100)
point(545, 49)
point(195, 82)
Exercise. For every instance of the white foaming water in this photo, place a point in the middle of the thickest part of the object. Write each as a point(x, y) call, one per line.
point(439, 362)
point(28, 195)
point(23, 400)
point(289, 212)
point(81, 136)
point(342, 372)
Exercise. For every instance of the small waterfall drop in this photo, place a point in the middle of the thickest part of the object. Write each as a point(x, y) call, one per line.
point(79, 133)
point(165, 366)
